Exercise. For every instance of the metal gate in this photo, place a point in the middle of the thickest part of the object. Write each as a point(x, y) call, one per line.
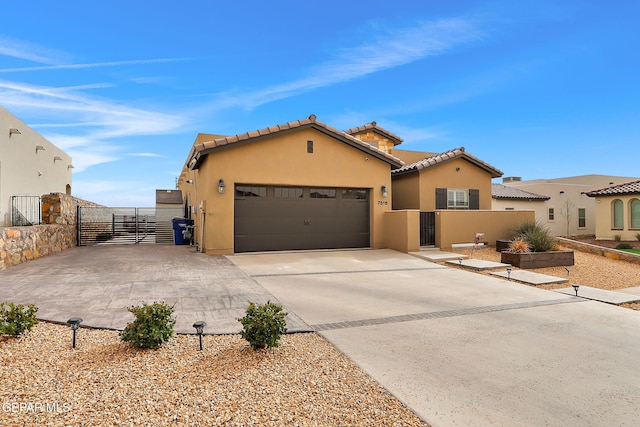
point(116, 226)
point(427, 228)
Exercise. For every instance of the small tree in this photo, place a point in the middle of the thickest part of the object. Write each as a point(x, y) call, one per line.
point(566, 213)
point(263, 325)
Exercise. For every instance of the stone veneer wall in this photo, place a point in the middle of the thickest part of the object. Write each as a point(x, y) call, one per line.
point(599, 250)
point(57, 232)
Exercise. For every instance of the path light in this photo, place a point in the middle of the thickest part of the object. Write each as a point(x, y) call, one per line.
point(199, 325)
point(74, 322)
point(575, 288)
point(568, 270)
point(460, 260)
point(509, 273)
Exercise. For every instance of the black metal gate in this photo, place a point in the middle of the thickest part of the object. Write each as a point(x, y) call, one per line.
point(427, 228)
point(116, 226)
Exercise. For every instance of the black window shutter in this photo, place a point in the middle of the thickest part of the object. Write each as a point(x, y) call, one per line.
point(474, 199)
point(441, 198)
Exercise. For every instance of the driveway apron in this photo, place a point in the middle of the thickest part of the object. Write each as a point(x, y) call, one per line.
point(463, 349)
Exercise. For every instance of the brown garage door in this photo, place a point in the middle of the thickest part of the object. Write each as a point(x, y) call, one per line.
point(285, 218)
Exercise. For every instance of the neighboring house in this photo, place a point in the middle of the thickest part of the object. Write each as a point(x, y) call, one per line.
point(509, 199)
point(306, 185)
point(169, 205)
point(568, 211)
point(30, 165)
point(617, 211)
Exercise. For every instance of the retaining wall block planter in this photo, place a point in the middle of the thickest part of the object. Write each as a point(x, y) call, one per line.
point(538, 259)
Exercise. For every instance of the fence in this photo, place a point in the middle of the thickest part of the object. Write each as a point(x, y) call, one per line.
point(26, 210)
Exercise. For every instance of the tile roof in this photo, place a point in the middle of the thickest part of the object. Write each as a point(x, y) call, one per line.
point(499, 191)
point(374, 127)
point(438, 159)
point(169, 197)
point(628, 188)
point(202, 148)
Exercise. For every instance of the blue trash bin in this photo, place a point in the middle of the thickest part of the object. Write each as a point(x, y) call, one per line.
point(179, 227)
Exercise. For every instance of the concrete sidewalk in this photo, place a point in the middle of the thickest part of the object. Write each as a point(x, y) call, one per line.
point(464, 349)
point(98, 284)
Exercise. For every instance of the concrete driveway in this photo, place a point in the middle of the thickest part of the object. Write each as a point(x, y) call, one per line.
point(464, 349)
point(98, 283)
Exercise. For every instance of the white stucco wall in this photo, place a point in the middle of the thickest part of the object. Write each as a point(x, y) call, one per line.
point(25, 170)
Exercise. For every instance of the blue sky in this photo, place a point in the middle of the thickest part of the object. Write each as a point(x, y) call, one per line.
point(540, 89)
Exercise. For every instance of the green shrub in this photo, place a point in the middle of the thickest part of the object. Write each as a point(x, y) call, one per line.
point(17, 319)
point(617, 237)
point(263, 325)
point(152, 326)
point(624, 246)
point(536, 235)
point(638, 237)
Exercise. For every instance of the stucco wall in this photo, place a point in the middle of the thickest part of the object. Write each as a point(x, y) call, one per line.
point(461, 226)
point(25, 170)
point(281, 160)
point(403, 230)
point(604, 215)
point(406, 191)
point(454, 174)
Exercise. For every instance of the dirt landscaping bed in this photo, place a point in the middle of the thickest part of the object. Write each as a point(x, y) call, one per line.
point(104, 381)
point(589, 270)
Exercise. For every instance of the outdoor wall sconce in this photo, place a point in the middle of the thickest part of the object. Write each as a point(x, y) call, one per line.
point(189, 181)
point(199, 325)
point(457, 169)
point(561, 191)
point(221, 186)
point(13, 131)
point(509, 273)
point(384, 191)
point(74, 322)
point(575, 288)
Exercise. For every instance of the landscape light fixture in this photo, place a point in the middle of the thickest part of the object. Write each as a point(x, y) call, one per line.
point(199, 325)
point(221, 186)
point(74, 322)
point(568, 270)
point(13, 131)
point(575, 288)
point(384, 191)
point(460, 260)
point(509, 273)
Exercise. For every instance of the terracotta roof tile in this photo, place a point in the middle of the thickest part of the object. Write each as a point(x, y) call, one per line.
point(310, 121)
point(444, 157)
point(627, 188)
point(499, 191)
point(374, 127)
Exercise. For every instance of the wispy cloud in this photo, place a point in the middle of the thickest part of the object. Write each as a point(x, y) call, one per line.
point(391, 47)
point(145, 155)
point(31, 52)
point(92, 65)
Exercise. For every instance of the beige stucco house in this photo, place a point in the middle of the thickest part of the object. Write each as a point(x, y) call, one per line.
point(617, 211)
point(307, 185)
point(30, 165)
point(568, 211)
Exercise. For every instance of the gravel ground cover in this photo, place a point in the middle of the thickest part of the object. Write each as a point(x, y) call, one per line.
point(104, 381)
point(589, 270)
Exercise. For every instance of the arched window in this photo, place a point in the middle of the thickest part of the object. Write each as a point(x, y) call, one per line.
point(635, 213)
point(618, 214)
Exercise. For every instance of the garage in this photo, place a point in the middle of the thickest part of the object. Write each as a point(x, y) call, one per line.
point(273, 218)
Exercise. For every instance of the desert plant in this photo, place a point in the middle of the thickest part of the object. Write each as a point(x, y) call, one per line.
point(624, 246)
point(519, 246)
point(617, 237)
point(152, 326)
point(263, 325)
point(536, 235)
point(16, 319)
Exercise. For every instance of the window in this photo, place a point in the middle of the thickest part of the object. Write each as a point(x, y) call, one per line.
point(618, 215)
point(582, 217)
point(635, 213)
point(354, 193)
point(251, 191)
point(551, 215)
point(457, 199)
point(288, 192)
point(322, 193)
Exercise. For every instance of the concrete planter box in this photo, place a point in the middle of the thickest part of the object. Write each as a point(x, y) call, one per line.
point(538, 259)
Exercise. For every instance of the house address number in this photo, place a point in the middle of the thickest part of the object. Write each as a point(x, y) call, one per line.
point(383, 202)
